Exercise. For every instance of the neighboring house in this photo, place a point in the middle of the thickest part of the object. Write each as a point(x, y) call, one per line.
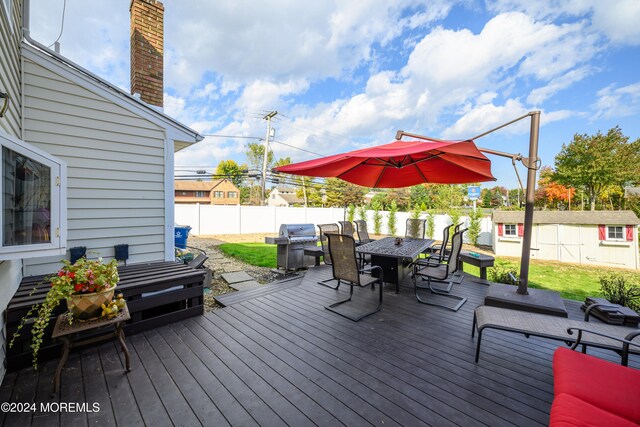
point(608, 238)
point(216, 192)
point(83, 163)
point(284, 197)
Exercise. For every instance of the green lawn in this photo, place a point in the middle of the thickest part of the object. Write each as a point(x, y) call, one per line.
point(572, 281)
point(259, 254)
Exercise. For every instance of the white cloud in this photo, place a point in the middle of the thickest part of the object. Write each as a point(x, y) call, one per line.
point(616, 19)
point(617, 102)
point(262, 94)
point(539, 95)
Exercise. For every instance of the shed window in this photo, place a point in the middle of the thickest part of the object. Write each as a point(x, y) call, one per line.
point(615, 232)
point(218, 194)
point(510, 230)
point(33, 209)
point(232, 194)
point(200, 194)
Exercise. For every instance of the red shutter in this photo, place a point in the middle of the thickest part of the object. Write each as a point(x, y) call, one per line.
point(602, 232)
point(520, 230)
point(629, 233)
point(500, 229)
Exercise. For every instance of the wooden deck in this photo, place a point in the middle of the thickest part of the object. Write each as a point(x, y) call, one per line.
point(282, 359)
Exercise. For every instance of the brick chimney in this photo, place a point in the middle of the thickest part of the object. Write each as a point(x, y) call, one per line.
point(147, 38)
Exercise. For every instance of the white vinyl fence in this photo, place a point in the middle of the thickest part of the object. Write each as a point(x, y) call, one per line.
point(212, 219)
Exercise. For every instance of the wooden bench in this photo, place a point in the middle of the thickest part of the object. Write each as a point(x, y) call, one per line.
point(157, 293)
point(479, 260)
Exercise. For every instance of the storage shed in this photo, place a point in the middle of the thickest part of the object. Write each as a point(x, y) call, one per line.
point(608, 238)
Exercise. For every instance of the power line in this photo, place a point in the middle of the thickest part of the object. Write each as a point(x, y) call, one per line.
point(215, 135)
point(64, 8)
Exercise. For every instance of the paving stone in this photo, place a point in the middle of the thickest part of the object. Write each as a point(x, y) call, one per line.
point(243, 286)
point(235, 277)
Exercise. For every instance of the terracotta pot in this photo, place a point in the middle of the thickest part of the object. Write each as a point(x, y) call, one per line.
point(89, 306)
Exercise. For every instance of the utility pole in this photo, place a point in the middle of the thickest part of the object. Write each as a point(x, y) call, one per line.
point(268, 118)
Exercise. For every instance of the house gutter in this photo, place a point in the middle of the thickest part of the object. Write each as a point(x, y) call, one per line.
point(26, 33)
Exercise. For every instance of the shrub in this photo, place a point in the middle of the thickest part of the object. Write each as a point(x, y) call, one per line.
point(351, 212)
point(377, 218)
point(475, 218)
point(431, 225)
point(415, 213)
point(455, 215)
point(500, 274)
point(392, 219)
point(621, 289)
point(362, 212)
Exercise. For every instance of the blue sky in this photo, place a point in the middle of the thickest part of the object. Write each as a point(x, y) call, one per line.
point(348, 74)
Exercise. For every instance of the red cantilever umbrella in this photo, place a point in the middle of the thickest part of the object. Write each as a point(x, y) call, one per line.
point(401, 164)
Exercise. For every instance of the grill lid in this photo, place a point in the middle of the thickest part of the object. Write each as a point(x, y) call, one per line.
point(298, 231)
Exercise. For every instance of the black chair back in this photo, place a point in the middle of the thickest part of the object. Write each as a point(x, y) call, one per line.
point(415, 228)
point(324, 230)
point(343, 258)
point(346, 227)
point(361, 229)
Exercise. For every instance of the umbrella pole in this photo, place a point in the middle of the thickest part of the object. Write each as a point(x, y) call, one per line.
point(528, 210)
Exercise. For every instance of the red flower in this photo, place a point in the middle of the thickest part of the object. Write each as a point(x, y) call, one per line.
point(78, 287)
point(71, 274)
point(61, 273)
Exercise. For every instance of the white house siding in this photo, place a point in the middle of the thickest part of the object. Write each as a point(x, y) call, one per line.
point(115, 163)
point(10, 70)
point(10, 271)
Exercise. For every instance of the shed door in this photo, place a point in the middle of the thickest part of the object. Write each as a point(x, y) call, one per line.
point(544, 242)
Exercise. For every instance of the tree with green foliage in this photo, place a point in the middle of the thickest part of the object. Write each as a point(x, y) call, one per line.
point(392, 218)
point(418, 194)
point(341, 193)
point(255, 156)
point(351, 212)
point(594, 162)
point(377, 218)
point(431, 225)
point(380, 199)
point(475, 224)
point(232, 171)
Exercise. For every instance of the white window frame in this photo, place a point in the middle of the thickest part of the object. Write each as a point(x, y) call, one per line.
point(215, 195)
point(622, 237)
point(58, 214)
point(229, 196)
point(200, 194)
point(509, 235)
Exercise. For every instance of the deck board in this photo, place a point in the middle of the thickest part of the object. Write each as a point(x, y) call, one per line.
point(279, 358)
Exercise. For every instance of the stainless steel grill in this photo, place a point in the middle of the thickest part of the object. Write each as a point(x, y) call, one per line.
point(292, 241)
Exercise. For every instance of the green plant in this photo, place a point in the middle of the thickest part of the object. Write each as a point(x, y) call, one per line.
point(351, 212)
point(475, 219)
point(431, 225)
point(377, 218)
point(82, 277)
point(392, 218)
point(454, 215)
point(362, 212)
point(502, 274)
point(415, 212)
point(621, 289)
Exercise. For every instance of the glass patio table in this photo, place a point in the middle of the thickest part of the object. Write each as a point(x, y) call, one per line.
point(395, 259)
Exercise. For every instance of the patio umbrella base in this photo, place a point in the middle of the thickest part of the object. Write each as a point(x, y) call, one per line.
point(538, 301)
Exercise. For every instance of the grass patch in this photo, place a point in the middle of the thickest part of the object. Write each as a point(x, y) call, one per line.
point(259, 254)
point(574, 282)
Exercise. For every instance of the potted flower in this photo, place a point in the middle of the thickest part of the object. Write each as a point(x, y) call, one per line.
point(84, 285)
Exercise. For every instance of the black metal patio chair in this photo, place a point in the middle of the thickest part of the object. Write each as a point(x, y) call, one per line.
point(362, 231)
point(346, 268)
point(440, 272)
point(326, 229)
point(346, 227)
point(415, 228)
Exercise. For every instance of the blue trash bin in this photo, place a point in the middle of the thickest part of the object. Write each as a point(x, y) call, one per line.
point(181, 234)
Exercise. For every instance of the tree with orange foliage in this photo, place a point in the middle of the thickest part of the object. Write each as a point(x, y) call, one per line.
point(550, 193)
